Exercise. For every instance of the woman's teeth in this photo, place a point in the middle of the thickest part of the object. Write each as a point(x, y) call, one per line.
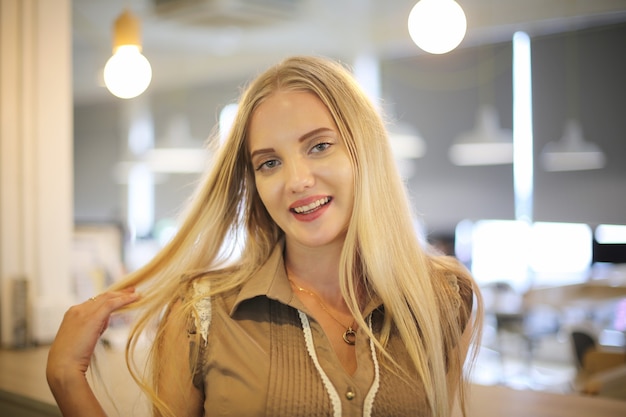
point(312, 206)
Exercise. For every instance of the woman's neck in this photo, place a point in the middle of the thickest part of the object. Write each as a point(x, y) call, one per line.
point(316, 269)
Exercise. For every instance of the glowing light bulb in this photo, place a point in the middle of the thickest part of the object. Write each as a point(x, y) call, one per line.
point(127, 73)
point(437, 26)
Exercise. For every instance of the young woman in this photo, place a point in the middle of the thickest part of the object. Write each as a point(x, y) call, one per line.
point(332, 307)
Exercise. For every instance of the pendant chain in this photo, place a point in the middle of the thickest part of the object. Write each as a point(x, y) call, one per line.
point(349, 336)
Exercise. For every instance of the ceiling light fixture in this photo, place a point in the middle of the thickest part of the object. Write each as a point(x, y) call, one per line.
point(407, 145)
point(406, 142)
point(437, 26)
point(487, 144)
point(127, 73)
point(572, 152)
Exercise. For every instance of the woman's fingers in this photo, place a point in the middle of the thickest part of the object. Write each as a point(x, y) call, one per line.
point(82, 326)
point(110, 301)
point(107, 303)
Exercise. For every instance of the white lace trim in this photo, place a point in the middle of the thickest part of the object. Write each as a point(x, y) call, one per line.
point(368, 404)
point(308, 337)
point(203, 309)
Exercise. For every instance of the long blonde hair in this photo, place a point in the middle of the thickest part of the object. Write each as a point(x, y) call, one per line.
point(381, 252)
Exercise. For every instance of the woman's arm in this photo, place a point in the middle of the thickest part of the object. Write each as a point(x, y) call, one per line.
point(70, 354)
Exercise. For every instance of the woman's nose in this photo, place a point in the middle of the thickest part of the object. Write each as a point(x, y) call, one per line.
point(299, 176)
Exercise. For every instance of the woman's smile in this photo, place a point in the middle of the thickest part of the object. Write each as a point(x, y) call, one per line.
point(310, 207)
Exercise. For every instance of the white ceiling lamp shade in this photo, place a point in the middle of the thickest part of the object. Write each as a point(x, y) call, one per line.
point(486, 144)
point(179, 152)
point(572, 152)
point(406, 142)
point(437, 26)
point(407, 145)
point(177, 160)
point(127, 73)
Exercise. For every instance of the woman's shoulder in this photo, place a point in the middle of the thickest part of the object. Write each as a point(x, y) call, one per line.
point(208, 283)
point(454, 281)
point(200, 301)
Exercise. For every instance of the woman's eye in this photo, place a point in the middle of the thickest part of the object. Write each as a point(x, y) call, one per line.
point(320, 147)
point(272, 163)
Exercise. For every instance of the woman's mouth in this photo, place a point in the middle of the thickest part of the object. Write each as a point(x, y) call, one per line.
point(311, 207)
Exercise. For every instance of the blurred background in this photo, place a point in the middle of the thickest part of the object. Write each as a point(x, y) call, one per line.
point(543, 234)
point(202, 53)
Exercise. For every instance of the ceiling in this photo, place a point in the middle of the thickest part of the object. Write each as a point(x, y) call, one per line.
point(200, 41)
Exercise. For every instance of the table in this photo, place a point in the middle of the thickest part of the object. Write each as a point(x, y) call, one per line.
point(498, 401)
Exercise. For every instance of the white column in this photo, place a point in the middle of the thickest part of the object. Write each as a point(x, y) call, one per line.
point(36, 163)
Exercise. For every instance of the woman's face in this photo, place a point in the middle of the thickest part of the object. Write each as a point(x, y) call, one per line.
point(301, 167)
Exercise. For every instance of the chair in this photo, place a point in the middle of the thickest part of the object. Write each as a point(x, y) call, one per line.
point(518, 325)
point(582, 342)
point(600, 371)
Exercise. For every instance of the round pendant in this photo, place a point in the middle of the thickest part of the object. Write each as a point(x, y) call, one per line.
point(349, 336)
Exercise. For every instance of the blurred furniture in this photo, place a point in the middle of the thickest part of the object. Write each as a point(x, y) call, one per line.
point(601, 371)
point(583, 343)
point(16, 405)
point(24, 391)
point(586, 296)
point(513, 314)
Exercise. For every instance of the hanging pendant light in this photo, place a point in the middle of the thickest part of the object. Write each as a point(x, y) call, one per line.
point(407, 146)
point(127, 73)
point(437, 26)
point(486, 144)
point(572, 152)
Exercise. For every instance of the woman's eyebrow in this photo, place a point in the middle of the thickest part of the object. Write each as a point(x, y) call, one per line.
point(300, 139)
point(260, 152)
point(314, 132)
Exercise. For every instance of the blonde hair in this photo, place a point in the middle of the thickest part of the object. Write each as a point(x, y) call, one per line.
point(381, 253)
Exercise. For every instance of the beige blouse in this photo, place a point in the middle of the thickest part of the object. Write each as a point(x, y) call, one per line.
point(262, 355)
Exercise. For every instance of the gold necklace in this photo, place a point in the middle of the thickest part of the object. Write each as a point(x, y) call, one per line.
point(349, 336)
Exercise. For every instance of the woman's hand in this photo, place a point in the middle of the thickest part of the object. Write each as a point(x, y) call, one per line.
point(83, 324)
